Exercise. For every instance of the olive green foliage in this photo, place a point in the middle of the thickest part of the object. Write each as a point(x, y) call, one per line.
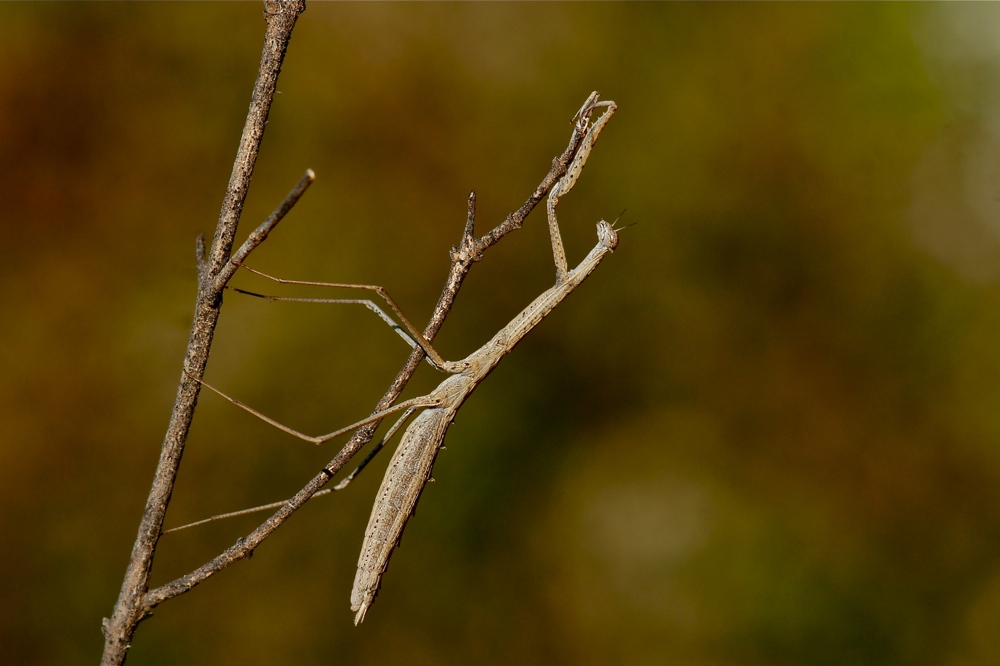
point(766, 431)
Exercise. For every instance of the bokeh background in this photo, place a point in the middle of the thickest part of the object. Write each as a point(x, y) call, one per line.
point(766, 431)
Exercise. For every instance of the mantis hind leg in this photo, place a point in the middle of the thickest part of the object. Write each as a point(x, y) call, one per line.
point(415, 337)
point(421, 401)
point(340, 486)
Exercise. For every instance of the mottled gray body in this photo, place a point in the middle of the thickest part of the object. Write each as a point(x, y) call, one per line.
point(405, 478)
point(412, 463)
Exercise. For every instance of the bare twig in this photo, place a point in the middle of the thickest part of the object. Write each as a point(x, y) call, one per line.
point(259, 235)
point(469, 251)
point(132, 606)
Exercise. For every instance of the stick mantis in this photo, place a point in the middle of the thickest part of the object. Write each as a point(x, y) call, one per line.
point(410, 468)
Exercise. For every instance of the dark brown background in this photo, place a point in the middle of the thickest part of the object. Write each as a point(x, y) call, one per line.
point(766, 431)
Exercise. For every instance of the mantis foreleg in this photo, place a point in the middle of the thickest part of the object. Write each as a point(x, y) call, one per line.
point(566, 183)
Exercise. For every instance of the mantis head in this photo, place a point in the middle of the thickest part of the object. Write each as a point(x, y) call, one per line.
point(607, 236)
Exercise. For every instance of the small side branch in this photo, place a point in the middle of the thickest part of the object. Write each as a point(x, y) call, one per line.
point(259, 235)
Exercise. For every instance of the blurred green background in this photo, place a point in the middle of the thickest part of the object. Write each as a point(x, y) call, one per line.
point(766, 430)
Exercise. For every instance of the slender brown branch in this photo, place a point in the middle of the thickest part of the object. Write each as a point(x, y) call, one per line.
point(131, 607)
point(259, 235)
point(467, 252)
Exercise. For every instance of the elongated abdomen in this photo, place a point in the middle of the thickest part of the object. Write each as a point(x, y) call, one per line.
point(408, 472)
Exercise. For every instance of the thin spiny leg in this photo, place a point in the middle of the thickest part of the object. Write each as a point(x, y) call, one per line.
point(241, 512)
point(566, 183)
point(358, 301)
point(340, 486)
point(421, 401)
point(436, 359)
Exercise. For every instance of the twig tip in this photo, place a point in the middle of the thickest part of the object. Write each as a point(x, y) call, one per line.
point(470, 222)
